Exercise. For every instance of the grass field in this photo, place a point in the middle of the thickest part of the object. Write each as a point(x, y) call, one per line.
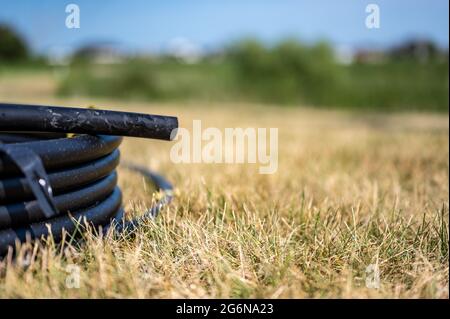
point(352, 190)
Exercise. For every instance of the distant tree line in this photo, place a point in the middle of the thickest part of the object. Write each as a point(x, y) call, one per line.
point(413, 75)
point(12, 46)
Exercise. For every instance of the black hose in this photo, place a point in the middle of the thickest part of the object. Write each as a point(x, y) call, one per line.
point(15, 117)
point(49, 182)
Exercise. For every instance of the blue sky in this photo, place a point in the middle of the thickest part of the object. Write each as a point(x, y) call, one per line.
point(150, 25)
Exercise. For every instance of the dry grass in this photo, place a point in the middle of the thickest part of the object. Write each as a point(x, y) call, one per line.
point(351, 190)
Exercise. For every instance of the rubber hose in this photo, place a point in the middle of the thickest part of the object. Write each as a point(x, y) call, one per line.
point(81, 171)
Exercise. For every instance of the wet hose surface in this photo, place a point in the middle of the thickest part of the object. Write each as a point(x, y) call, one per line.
point(49, 183)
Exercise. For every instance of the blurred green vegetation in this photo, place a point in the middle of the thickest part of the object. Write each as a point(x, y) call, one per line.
point(12, 47)
point(395, 85)
point(289, 73)
point(15, 56)
point(147, 79)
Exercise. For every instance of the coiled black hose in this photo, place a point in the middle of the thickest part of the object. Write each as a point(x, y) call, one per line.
point(50, 182)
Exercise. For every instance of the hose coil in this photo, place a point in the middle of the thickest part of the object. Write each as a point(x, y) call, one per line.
point(49, 182)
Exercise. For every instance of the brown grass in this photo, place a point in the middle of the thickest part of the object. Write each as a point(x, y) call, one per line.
point(351, 190)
